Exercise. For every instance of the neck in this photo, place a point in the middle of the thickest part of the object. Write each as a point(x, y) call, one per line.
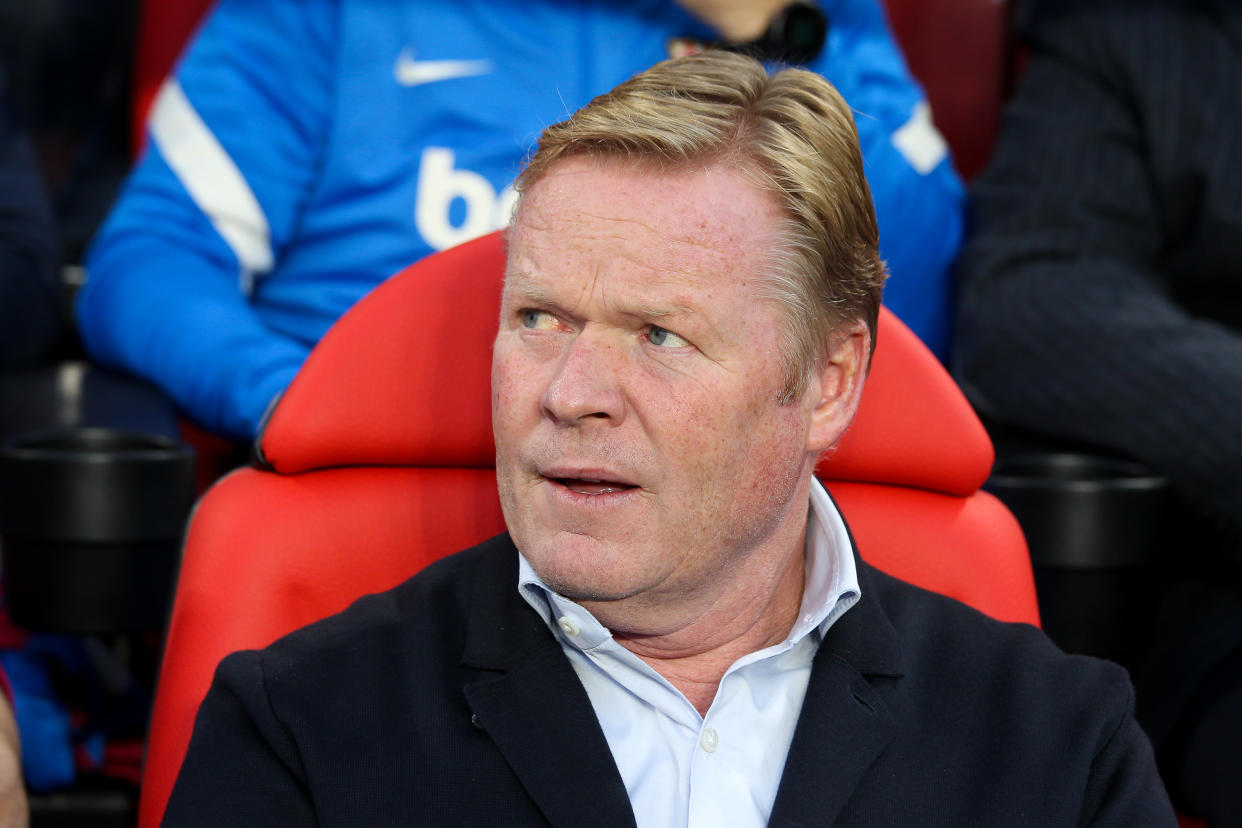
point(694, 658)
point(737, 21)
point(692, 639)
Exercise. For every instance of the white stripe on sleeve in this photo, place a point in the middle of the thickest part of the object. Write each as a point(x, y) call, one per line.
point(212, 179)
point(919, 141)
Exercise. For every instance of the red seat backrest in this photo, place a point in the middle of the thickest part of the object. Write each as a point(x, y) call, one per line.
point(381, 456)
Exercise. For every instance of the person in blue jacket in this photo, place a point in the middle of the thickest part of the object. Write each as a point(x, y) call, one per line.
point(304, 150)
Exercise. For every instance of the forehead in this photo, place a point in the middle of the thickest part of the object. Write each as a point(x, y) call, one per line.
point(703, 224)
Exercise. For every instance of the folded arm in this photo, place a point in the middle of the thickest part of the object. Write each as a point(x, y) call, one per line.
point(234, 141)
point(1071, 320)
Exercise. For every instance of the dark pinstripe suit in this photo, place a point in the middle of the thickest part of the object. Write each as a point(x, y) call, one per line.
point(1102, 293)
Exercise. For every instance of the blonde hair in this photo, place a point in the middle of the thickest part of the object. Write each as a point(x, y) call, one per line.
point(791, 134)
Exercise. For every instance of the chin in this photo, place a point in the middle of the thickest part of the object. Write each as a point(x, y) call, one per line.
point(582, 568)
point(576, 590)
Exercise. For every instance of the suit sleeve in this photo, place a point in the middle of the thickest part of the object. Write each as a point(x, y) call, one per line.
point(242, 766)
point(234, 140)
point(1068, 325)
point(1124, 788)
point(918, 197)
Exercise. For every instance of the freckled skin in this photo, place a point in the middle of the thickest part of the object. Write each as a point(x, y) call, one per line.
point(706, 548)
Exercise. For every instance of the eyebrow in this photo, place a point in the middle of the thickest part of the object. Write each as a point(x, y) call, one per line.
point(672, 309)
point(521, 284)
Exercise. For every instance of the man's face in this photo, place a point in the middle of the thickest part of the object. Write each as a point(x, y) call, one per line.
point(640, 447)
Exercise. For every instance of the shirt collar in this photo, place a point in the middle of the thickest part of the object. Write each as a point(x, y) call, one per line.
point(831, 585)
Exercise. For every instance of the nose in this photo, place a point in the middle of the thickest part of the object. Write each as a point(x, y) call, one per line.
point(585, 388)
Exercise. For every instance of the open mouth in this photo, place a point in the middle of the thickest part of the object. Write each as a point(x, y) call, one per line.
point(587, 486)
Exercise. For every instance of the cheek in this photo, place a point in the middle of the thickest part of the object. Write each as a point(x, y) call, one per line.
point(743, 412)
point(512, 395)
point(745, 441)
point(513, 373)
point(508, 432)
point(503, 389)
point(712, 439)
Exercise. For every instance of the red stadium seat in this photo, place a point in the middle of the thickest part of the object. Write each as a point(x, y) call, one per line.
point(378, 459)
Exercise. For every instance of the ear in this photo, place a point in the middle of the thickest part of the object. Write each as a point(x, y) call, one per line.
point(838, 386)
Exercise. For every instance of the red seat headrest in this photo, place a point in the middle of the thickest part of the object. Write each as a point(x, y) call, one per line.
point(404, 379)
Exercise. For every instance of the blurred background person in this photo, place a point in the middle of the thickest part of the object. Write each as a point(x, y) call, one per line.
point(63, 111)
point(304, 151)
point(31, 308)
point(14, 812)
point(1102, 303)
point(69, 64)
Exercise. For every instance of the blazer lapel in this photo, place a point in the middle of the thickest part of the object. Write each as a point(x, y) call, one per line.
point(844, 725)
point(526, 696)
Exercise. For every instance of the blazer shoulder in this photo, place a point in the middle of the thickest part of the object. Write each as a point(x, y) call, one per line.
point(437, 598)
point(992, 716)
point(946, 639)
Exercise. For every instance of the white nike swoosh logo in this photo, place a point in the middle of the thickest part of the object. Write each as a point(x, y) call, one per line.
point(411, 72)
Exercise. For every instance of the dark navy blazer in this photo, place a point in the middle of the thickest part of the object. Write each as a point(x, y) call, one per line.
point(447, 701)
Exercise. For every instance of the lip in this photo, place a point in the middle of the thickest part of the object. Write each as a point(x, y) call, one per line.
point(593, 484)
point(600, 475)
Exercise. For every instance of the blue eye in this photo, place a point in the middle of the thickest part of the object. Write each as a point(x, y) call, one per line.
point(662, 338)
point(537, 320)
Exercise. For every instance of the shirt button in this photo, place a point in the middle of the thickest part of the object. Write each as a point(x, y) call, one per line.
point(709, 740)
point(568, 626)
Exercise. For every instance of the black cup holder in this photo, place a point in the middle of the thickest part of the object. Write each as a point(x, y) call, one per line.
point(1096, 527)
point(1084, 511)
point(90, 525)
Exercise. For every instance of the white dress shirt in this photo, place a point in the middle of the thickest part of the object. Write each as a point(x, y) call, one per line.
point(724, 768)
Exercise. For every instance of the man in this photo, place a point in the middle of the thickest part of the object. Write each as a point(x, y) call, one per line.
point(307, 149)
point(1102, 304)
point(676, 629)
